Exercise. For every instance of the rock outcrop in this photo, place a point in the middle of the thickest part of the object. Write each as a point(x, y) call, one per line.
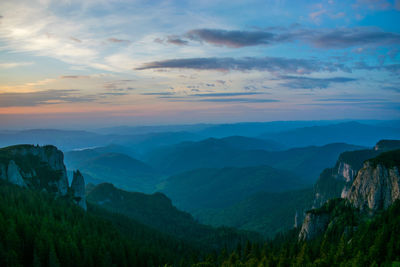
point(41, 168)
point(313, 225)
point(375, 187)
point(336, 182)
point(48, 155)
point(14, 174)
point(368, 180)
point(78, 189)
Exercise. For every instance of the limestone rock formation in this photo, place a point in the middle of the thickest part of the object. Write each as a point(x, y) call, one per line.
point(335, 182)
point(49, 155)
point(375, 187)
point(78, 189)
point(313, 225)
point(14, 174)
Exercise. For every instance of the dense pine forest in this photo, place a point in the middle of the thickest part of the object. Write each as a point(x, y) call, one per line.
point(42, 224)
point(38, 230)
point(353, 240)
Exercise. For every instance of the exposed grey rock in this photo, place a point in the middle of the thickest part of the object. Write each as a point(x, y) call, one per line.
point(336, 182)
point(14, 174)
point(296, 218)
point(50, 155)
point(78, 189)
point(313, 225)
point(346, 171)
point(375, 187)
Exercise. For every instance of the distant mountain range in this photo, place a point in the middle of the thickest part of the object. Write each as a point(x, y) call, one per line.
point(348, 132)
point(117, 168)
point(145, 138)
point(307, 162)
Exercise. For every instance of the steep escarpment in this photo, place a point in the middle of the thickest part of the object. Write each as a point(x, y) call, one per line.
point(35, 166)
point(78, 189)
point(375, 187)
point(377, 184)
point(336, 182)
point(313, 225)
point(38, 167)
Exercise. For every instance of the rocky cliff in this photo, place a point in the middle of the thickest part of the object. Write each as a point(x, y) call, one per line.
point(38, 167)
point(377, 184)
point(375, 187)
point(313, 225)
point(337, 181)
point(78, 189)
point(35, 166)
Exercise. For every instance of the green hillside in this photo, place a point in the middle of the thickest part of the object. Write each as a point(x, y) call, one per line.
point(157, 211)
point(218, 188)
point(38, 230)
point(266, 213)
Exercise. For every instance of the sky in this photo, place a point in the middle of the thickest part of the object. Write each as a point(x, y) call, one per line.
point(92, 63)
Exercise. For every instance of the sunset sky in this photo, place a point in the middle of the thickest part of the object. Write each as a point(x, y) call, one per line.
point(92, 63)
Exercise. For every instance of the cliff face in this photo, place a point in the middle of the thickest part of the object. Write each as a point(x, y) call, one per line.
point(34, 166)
point(376, 187)
point(313, 225)
point(78, 190)
point(336, 182)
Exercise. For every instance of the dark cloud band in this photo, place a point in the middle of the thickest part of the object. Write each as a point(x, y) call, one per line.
point(41, 98)
point(271, 64)
point(321, 38)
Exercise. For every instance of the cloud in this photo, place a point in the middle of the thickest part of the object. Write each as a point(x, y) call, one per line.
point(118, 85)
point(221, 82)
point(118, 41)
point(361, 65)
point(320, 38)
point(316, 16)
point(41, 98)
point(392, 68)
point(356, 100)
point(10, 65)
point(338, 15)
point(222, 100)
point(397, 4)
point(347, 37)
point(375, 4)
point(226, 94)
point(270, 64)
point(74, 77)
point(113, 94)
point(232, 38)
point(241, 100)
point(173, 39)
point(295, 82)
point(160, 93)
point(75, 39)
